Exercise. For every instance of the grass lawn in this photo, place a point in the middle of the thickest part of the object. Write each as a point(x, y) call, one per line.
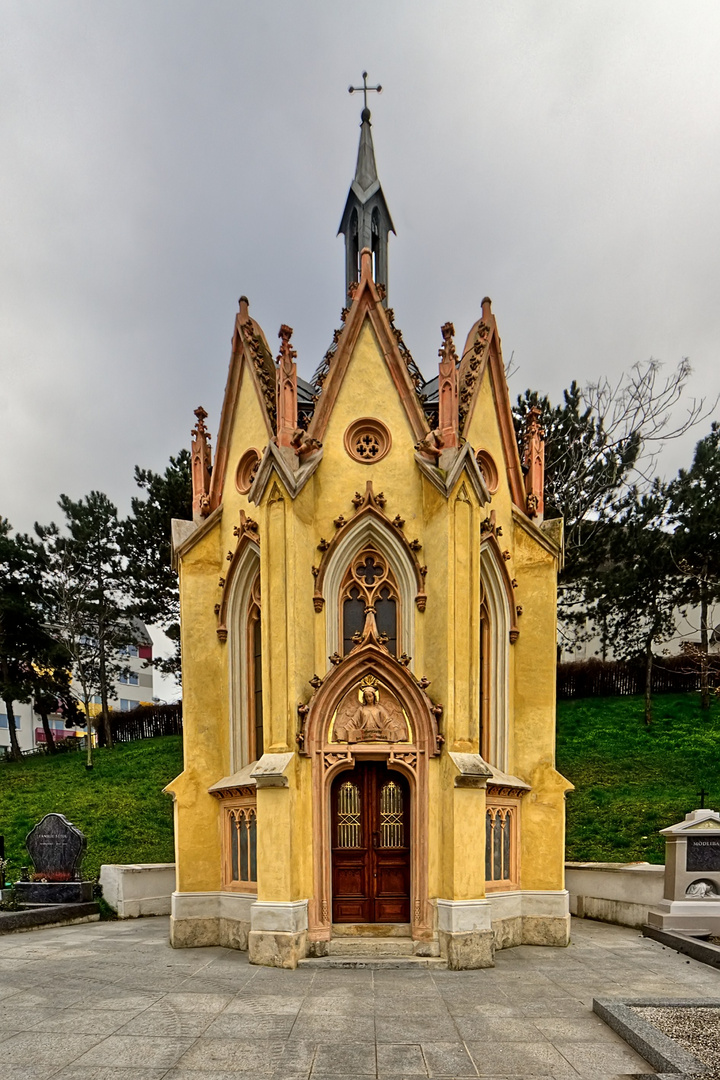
point(119, 804)
point(632, 780)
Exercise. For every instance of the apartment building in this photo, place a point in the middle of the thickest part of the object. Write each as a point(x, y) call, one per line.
point(134, 687)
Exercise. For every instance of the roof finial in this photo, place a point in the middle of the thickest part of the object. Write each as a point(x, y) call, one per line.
point(365, 114)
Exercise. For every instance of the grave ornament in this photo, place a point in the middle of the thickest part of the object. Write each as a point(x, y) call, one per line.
point(691, 902)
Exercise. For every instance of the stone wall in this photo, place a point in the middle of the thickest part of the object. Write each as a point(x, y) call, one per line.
point(618, 893)
point(137, 889)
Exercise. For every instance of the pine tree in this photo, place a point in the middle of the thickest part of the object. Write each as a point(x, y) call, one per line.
point(635, 589)
point(24, 641)
point(695, 515)
point(87, 581)
point(600, 442)
point(146, 545)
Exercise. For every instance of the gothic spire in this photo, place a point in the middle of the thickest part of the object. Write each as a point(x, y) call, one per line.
point(366, 221)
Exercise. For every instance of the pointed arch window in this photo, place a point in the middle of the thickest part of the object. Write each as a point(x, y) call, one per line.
point(369, 583)
point(485, 680)
point(354, 249)
point(375, 241)
point(239, 847)
point(502, 850)
point(254, 670)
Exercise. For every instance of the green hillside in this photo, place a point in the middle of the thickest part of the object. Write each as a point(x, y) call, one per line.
point(632, 780)
point(118, 804)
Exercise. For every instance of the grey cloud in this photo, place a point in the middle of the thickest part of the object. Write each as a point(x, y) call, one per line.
point(160, 159)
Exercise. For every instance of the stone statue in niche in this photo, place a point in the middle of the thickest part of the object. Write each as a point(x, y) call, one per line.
point(703, 889)
point(367, 718)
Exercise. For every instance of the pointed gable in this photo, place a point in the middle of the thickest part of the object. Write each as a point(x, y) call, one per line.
point(482, 365)
point(252, 376)
point(367, 307)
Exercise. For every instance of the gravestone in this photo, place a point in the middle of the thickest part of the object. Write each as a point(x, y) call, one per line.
point(56, 848)
point(691, 902)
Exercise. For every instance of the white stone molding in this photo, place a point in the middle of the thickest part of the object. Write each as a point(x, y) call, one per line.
point(238, 604)
point(500, 623)
point(463, 916)
point(355, 536)
point(547, 903)
point(212, 905)
point(289, 916)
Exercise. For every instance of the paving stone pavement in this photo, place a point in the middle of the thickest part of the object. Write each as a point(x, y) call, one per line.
point(113, 1001)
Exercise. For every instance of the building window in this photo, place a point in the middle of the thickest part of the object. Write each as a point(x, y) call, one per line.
point(349, 826)
point(369, 584)
point(129, 678)
point(255, 686)
point(240, 846)
point(129, 650)
point(485, 681)
point(501, 846)
point(127, 704)
point(4, 722)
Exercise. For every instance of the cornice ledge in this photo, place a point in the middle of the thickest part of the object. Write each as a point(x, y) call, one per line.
point(506, 783)
point(234, 784)
point(538, 534)
point(185, 539)
point(445, 481)
point(294, 482)
point(472, 771)
point(269, 771)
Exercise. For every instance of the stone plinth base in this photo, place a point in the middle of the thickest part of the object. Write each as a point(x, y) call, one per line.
point(199, 919)
point(465, 933)
point(277, 948)
point(54, 892)
point(687, 916)
point(463, 952)
point(274, 934)
point(530, 917)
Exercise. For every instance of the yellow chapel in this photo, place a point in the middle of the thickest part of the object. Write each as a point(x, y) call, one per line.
point(368, 621)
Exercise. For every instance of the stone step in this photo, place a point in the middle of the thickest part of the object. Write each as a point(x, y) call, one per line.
point(370, 946)
point(375, 930)
point(375, 963)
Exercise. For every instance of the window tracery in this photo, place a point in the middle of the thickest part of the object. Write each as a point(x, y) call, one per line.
point(501, 846)
point(240, 863)
point(392, 820)
point(369, 583)
point(349, 828)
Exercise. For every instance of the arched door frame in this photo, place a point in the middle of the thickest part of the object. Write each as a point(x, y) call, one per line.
point(329, 759)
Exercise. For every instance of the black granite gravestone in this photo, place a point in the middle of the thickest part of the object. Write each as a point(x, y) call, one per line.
point(703, 853)
point(56, 848)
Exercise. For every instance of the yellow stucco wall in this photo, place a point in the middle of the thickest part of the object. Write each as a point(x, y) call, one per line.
point(294, 635)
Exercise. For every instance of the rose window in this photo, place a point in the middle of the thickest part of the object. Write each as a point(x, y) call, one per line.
point(367, 440)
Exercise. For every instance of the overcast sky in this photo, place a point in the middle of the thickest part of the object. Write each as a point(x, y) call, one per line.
point(160, 158)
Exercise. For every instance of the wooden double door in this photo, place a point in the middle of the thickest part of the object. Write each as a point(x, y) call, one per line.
point(370, 811)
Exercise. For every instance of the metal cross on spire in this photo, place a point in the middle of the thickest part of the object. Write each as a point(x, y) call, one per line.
point(364, 90)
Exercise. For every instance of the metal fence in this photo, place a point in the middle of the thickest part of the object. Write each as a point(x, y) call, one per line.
point(146, 722)
point(616, 678)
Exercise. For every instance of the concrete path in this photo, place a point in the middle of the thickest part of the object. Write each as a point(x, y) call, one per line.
point(112, 1001)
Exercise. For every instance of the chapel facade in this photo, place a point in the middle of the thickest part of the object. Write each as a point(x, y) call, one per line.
point(368, 619)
